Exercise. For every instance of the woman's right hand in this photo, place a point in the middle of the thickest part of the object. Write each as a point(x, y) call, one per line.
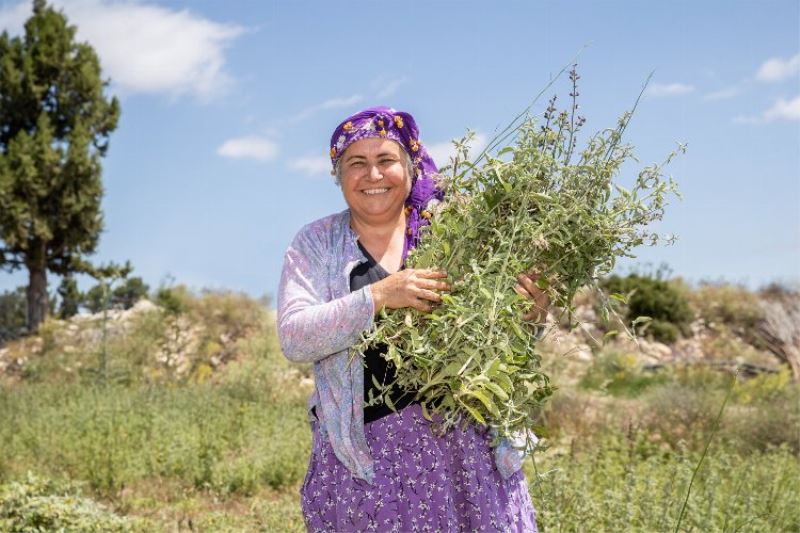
point(411, 287)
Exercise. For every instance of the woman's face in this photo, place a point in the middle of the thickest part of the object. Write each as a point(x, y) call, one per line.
point(375, 179)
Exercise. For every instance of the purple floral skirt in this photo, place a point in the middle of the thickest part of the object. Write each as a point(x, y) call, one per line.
point(423, 482)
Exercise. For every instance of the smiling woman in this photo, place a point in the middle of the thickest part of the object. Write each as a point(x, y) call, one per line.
point(374, 468)
point(375, 184)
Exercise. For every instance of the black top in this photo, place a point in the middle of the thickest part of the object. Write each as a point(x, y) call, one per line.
point(366, 273)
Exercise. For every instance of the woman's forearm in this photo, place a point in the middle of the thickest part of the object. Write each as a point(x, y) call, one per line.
point(310, 332)
point(311, 323)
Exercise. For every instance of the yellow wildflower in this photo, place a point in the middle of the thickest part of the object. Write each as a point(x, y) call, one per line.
point(348, 126)
point(398, 121)
point(333, 151)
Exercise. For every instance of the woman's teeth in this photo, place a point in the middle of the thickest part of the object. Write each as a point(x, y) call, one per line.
point(375, 191)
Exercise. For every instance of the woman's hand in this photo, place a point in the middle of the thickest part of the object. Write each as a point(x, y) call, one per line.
point(412, 287)
point(526, 287)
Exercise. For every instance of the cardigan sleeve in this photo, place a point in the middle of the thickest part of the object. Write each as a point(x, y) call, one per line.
point(311, 323)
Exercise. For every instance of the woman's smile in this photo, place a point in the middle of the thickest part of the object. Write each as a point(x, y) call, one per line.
point(375, 191)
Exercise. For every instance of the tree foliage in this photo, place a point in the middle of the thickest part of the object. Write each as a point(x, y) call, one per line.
point(54, 126)
point(124, 296)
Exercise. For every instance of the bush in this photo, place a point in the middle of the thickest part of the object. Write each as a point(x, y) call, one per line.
point(13, 314)
point(619, 374)
point(130, 292)
point(655, 298)
point(175, 300)
point(71, 297)
point(39, 504)
point(680, 414)
point(123, 296)
point(734, 307)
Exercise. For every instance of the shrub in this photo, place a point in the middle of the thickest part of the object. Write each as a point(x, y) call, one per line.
point(619, 374)
point(655, 298)
point(13, 314)
point(175, 300)
point(123, 296)
point(130, 292)
point(680, 414)
point(70, 296)
point(38, 504)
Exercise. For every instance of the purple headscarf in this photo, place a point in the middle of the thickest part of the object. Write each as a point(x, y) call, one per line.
point(386, 123)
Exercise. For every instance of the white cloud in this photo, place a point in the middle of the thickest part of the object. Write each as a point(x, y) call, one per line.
point(723, 94)
point(146, 48)
point(778, 69)
point(668, 89)
point(780, 110)
point(248, 148)
point(333, 103)
point(311, 165)
point(441, 152)
point(783, 109)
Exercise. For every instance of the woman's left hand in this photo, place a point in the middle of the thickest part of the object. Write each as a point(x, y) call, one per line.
point(526, 287)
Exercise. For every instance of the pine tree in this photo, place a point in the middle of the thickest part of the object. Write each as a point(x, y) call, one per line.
point(54, 126)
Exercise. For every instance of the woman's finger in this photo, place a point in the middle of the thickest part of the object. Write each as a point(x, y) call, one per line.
point(431, 273)
point(532, 316)
point(428, 295)
point(519, 289)
point(422, 305)
point(528, 284)
point(434, 285)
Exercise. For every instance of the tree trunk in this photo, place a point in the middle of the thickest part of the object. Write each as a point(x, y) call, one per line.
point(38, 302)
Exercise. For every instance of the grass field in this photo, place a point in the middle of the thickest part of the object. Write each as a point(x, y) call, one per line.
point(227, 453)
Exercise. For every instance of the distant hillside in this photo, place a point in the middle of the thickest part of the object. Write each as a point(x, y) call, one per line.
point(191, 337)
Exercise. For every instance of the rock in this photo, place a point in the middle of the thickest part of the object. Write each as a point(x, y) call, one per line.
point(568, 345)
point(691, 349)
point(657, 351)
point(36, 344)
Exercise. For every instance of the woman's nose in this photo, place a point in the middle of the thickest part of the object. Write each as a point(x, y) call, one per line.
point(375, 173)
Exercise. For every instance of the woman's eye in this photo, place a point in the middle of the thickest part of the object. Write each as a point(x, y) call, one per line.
point(355, 164)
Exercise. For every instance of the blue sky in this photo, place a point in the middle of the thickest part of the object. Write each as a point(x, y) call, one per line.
point(228, 107)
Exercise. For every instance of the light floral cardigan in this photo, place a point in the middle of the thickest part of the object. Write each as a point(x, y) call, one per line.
point(319, 319)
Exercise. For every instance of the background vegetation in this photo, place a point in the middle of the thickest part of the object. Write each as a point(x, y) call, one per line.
point(198, 424)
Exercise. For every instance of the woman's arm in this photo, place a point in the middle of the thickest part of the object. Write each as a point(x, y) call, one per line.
point(309, 327)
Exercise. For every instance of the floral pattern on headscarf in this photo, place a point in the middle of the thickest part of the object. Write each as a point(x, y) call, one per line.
point(387, 123)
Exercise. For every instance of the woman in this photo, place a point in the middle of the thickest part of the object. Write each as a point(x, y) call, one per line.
point(372, 469)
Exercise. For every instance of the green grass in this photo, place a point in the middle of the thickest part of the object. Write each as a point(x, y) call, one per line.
point(227, 451)
point(115, 436)
point(623, 484)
